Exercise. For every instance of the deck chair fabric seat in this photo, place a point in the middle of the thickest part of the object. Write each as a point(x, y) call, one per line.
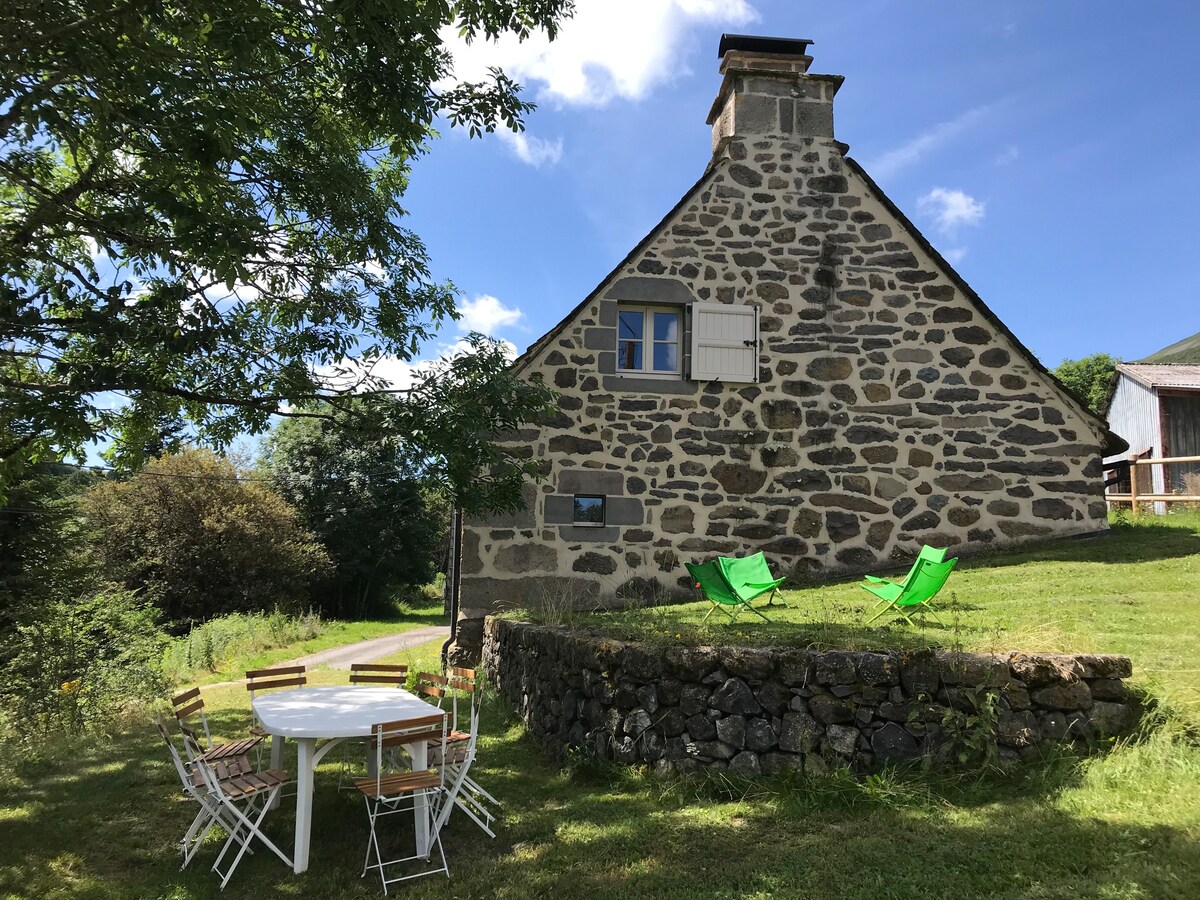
point(927, 554)
point(749, 576)
point(711, 580)
point(918, 594)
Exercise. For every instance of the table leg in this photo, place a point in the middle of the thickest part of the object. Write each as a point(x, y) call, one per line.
point(420, 761)
point(276, 760)
point(305, 764)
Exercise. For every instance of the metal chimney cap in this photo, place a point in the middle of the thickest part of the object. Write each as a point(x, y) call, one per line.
point(755, 44)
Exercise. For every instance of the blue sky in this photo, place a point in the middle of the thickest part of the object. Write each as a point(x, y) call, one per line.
point(1052, 149)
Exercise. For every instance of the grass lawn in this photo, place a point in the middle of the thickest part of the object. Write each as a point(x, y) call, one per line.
point(98, 819)
point(1135, 591)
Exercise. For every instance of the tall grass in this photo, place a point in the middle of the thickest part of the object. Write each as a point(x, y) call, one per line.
point(206, 647)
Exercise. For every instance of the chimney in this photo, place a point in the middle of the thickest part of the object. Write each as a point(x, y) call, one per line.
point(767, 92)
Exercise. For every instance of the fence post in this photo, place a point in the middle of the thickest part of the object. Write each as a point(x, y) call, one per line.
point(1133, 485)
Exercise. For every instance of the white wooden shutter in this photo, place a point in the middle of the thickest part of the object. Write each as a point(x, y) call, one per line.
point(724, 342)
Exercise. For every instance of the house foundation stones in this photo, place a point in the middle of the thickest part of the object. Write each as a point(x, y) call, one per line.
point(761, 712)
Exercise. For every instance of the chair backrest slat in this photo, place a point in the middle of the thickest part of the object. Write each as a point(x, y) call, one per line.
point(461, 672)
point(377, 667)
point(180, 699)
point(378, 673)
point(364, 678)
point(278, 670)
point(268, 684)
point(184, 712)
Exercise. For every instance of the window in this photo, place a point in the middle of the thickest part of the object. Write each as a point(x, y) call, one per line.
point(649, 340)
point(589, 510)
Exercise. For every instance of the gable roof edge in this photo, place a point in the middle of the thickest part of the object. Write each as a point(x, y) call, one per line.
point(1113, 442)
point(537, 346)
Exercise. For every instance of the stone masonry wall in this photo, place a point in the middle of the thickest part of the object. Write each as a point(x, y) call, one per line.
point(890, 410)
point(763, 711)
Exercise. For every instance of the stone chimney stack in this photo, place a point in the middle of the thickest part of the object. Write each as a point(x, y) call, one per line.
point(767, 92)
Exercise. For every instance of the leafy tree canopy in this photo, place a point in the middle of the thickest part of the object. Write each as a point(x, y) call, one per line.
point(197, 537)
point(366, 501)
point(200, 217)
point(1090, 378)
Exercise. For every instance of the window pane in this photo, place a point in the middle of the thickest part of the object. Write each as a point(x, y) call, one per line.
point(629, 355)
point(631, 325)
point(666, 326)
point(666, 357)
point(589, 510)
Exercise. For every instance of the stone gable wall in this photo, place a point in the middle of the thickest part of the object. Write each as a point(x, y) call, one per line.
point(762, 711)
point(889, 411)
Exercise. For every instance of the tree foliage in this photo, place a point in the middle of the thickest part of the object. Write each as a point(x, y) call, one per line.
point(77, 664)
point(199, 208)
point(1090, 378)
point(367, 503)
point(199, 538)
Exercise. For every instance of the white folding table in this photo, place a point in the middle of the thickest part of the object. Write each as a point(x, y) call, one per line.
point(332, 714)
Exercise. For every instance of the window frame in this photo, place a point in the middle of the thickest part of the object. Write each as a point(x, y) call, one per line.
point(603, 498)
point(648, 342)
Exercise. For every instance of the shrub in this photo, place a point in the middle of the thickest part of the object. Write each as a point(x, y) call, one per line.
point(199, 538)
point(79, 664)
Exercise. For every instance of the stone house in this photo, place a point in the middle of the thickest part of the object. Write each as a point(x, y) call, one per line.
point(784, 363)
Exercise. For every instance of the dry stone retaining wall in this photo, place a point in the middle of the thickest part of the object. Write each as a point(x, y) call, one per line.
point(763, 711)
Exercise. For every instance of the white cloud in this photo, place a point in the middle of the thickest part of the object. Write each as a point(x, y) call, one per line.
point(913, 151)
point(609, 49)
point(955, 255)
point(950, 209)
point(1008, 155)
point(486, 315)
point(531, 150)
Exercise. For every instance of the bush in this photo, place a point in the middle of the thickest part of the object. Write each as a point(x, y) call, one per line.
point(80, 664)
point(199, 538)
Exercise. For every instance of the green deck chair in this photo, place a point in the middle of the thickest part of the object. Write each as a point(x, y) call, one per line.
point(750, 576)
point(922, 587)
point(927, 554)
point(708, 578)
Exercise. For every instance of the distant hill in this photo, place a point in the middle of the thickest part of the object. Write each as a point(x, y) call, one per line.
point(1186, 351)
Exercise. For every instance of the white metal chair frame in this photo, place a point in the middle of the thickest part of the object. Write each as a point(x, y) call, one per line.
point(464, 793)
point(439, 687)
point(249, 790)
point(388, 794)
point(209, 814)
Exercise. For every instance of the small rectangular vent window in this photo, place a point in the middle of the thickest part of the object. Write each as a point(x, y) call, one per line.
point(589, 510)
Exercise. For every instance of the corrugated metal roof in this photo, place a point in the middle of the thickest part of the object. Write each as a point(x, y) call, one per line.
point(1163, 376)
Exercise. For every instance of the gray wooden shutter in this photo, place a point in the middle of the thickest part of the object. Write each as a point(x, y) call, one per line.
point(724, 342)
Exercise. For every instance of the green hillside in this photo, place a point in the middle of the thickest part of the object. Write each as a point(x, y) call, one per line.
point(1185, 351)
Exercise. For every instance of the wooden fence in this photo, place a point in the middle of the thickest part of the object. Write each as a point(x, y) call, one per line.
point(1135, 496)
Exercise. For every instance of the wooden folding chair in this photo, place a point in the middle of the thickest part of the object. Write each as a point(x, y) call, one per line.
point(388, 794)
point(239, 799)
point(194, 788)
point(378, 673)
point(382, 674)
point(259, 680)
point(188, 707)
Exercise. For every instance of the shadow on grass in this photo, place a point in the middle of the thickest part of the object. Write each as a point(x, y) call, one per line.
point(102, 824)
